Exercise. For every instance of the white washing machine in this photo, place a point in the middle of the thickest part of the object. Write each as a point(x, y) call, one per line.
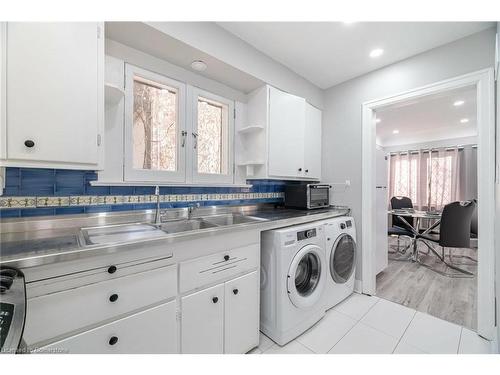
point(340, 234)
point(293, 278)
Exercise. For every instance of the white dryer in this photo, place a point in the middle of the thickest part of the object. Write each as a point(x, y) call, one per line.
point(340, 234)
point(293, 278)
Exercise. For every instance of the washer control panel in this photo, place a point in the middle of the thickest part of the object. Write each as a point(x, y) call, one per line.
point(306, 234)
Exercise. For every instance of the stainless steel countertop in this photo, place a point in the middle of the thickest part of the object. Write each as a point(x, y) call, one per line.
point(37, 241)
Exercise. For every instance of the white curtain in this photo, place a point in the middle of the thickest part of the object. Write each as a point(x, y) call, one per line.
point(431, 179)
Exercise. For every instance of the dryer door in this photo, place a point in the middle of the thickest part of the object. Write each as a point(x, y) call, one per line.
point(343, 258)
point(306, 279)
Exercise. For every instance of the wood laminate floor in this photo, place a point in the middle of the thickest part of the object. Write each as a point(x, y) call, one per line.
point(415, 286)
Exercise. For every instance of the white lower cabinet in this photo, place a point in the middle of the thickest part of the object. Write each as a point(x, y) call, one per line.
point(149, 331)
point(241, 306)
point(202, 329)
point(223, 318)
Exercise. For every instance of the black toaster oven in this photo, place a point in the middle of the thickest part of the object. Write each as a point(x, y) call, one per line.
point(307, 196)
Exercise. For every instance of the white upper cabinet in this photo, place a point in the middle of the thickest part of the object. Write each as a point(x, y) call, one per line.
point(286, 142)
point(53, 94)
point(312, 143)
point(282, 139)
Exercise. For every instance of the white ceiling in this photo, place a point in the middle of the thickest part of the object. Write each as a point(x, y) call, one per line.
point(431, 118)
point(328, 53)
point(145, 38)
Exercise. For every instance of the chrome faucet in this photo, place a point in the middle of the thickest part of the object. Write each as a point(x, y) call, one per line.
point(191, 208)
point(157, 213)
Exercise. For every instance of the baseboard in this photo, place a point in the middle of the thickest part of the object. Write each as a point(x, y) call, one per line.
point(358, 286)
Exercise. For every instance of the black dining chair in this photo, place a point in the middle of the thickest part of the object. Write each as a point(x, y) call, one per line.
point(454, 232)
point(399, 228)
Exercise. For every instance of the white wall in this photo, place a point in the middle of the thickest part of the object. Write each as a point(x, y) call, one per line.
point(154, 64)
point(221, 44)
point(342, 111)
point(497, 196)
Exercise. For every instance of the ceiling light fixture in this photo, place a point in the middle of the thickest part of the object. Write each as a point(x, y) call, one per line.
point(198, 65)
point(395, 131)
point(348, 22)
point(458, 103)
point(377, 52)
point(464, 120)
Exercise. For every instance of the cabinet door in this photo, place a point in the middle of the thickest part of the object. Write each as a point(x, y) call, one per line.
point(148, 332)
point(286, 134)
point(312, 143)
point(54, 92)
point(241, 314)
point(202, 327)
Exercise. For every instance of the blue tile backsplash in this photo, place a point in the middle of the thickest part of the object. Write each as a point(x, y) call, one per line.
point(35, 192)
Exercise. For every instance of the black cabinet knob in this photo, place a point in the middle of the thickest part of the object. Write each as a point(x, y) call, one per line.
point(226, 257)
point(307, 170)
point(29, 143)
point(215, 299)
point(113, 340)
point(300, 169)
point(112, 269)
point(235, 291)
point(113, 297)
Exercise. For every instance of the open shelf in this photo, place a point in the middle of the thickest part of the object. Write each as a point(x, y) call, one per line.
point(250, 129)
point(113, 94)
point(250, 166)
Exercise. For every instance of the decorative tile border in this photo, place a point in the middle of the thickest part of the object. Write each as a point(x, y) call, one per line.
point(98, 200)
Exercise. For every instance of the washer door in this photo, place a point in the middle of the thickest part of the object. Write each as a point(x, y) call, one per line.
point(343, 258)
point(305, 279)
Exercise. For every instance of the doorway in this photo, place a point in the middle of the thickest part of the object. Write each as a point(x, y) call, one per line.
point(426, 158)
point(482, 85)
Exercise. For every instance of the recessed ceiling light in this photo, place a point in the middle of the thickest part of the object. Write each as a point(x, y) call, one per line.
point(464, 120)
point(377, 120)
point(198, 65)
point(395, 131)
point(377, 52)
point(348, 22)
point(458, 103)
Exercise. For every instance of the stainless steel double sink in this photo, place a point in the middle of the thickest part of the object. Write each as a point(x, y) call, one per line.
point(120, 233)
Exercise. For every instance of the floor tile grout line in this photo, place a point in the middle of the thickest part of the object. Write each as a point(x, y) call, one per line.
point(345, 334)
point(460, 339)
point(357, 320)
point(406, 329)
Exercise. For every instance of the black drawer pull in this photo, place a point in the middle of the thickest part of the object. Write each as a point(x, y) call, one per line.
point(226, 257)
point(300, 169)
point(29, 143)
point(113, 340)
point(215, 299)
point(235, 291)
point(113, 297)
point(307, 170)
point(112, 269)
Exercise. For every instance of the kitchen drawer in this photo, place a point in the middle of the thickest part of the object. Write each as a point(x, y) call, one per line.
point(60, 313)
point(152, 331)
point(217, 267)
point(103, 273)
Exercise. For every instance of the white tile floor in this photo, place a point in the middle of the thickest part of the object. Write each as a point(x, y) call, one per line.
point(363, 325)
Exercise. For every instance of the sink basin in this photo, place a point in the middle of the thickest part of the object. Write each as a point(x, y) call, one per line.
point(185, 225)
point(120, 233)
point(231, 219)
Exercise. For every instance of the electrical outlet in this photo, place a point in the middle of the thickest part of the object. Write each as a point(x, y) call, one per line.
point(347, 182)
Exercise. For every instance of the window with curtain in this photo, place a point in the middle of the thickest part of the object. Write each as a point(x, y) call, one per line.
point(430, 179)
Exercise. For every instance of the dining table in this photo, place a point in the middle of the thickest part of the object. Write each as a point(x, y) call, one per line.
point(418, 216)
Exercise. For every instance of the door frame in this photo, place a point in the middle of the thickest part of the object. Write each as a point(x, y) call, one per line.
point(484, 81)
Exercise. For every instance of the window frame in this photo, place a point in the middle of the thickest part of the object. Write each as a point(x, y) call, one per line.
point(143, 175)
point(193, 94)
